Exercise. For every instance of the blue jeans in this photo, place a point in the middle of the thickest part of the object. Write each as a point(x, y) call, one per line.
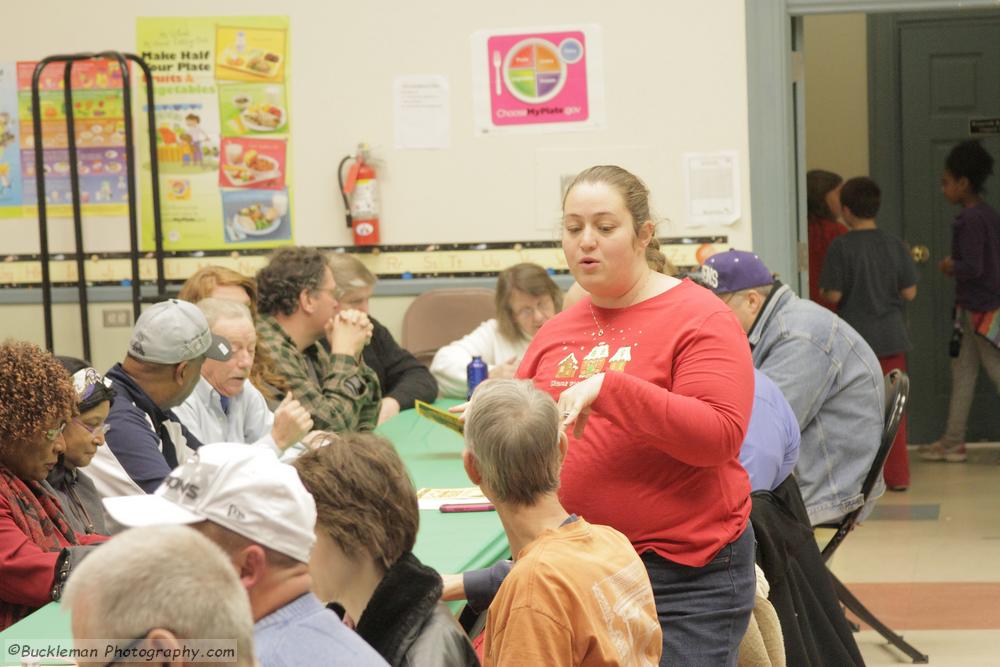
point(704, 611)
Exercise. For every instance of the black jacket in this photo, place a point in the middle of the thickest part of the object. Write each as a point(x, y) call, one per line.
point(405, 622)
point(814, 626)
point(400, 375)
point(80, 501)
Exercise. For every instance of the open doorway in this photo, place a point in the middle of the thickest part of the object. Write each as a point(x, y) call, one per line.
point(888, 95)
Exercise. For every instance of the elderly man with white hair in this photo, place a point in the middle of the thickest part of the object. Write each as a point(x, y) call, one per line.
point(224, 407)
point(111, 595)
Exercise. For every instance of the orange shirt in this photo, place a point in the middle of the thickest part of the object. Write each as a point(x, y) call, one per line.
point(577, 595)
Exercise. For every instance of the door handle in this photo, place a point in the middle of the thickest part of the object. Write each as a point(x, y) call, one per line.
point(920, 254)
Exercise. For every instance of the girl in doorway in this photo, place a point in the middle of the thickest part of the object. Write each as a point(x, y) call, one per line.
point(823, 205)
point(975, 265)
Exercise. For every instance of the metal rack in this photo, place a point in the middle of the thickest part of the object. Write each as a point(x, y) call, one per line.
point(130, 161)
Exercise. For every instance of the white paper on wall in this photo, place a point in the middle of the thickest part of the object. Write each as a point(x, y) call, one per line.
point(712, 188)
point(421, 112)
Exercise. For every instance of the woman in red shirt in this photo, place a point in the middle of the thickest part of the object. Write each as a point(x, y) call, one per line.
point(38, 548)
point(654, 376)
point(823, 206)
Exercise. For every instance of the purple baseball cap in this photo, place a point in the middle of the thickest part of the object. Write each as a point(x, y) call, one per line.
point(734, 270)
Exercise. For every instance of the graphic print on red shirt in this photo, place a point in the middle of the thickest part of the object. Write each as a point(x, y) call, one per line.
point(665, 432)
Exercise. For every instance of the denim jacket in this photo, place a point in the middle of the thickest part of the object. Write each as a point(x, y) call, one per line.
point(834, 383)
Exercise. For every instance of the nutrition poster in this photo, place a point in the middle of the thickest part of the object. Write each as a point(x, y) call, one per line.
point(10, 155)
point(222, 131)
point(100, 140)
point(545, 79)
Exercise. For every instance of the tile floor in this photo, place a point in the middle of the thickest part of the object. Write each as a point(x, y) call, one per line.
point(927, 563)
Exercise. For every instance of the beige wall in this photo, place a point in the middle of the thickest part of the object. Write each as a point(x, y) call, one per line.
point(836, 85)
point(674, 76)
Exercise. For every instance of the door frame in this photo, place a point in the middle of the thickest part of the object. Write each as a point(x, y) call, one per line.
point(776, 123)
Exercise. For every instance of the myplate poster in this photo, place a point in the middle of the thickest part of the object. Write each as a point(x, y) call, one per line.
point(222, 131)
point(538, 79)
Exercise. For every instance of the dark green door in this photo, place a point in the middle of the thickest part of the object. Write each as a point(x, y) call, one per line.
point(949, 73)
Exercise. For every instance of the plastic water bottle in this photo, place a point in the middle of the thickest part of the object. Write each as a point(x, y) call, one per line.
point(476, 372)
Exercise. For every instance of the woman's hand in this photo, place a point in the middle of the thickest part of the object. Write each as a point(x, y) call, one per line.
point(505, 371)
point(574, 403)
point(460, 409)
point(388, 409)
point(947, 266)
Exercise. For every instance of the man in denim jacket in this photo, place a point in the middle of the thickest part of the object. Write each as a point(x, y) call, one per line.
point(829, 375)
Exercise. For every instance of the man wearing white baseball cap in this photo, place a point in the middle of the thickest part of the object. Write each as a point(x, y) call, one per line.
point(169, 343)
point(257, 510)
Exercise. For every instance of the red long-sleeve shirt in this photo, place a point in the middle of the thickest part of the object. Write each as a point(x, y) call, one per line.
point(658, 459)
point(33, 532)
point(822, 232)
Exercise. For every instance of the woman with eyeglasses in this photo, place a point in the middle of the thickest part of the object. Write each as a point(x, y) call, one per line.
point(38, 546)
point(83, 434)
point(526, 298)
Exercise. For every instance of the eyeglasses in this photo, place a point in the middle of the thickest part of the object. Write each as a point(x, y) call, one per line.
point(332, 291)
point(544, 309)
point(54, 433)
point(727, 299)
point(95, 431)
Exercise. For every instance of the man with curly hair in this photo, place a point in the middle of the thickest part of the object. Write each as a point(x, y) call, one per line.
point(298, 308)
point(38, 548)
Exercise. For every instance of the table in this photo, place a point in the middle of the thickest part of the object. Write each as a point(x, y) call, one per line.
point(449, 543)
point(453, 542)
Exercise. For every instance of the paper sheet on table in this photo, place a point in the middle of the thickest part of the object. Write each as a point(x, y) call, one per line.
point(432, 499)
point(422, 111)
point(712, 188)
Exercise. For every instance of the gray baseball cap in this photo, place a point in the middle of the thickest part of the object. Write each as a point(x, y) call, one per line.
point(173, 331)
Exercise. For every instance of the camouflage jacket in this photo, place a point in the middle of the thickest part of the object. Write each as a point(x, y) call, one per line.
point(340, 392)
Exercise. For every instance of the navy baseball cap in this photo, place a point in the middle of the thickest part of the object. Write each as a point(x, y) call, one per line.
point(734, 270)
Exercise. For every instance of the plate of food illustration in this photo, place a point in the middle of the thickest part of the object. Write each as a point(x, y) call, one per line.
point(257, 62)
point(533, 70)
point(257, 219)
point(252, 168)
point(264, 117)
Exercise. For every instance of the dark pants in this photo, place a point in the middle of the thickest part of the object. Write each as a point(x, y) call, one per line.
point(704, 611)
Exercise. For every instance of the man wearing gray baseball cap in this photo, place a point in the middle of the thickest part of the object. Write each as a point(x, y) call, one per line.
point(169, 343)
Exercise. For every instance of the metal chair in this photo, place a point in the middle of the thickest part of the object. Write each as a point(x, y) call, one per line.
point(897, 385)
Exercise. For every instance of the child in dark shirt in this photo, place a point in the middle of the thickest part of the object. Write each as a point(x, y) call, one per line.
point(975, 265)
point(869, 274)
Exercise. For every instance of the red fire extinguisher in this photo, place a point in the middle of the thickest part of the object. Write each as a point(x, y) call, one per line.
point(360, 193)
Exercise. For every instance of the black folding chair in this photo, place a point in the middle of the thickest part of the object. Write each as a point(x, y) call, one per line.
point(897, 389)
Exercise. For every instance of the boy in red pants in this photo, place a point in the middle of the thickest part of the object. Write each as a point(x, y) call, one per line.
point(870, 275)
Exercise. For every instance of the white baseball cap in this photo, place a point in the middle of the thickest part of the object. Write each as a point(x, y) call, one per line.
point(173, 331)
point(240, 487)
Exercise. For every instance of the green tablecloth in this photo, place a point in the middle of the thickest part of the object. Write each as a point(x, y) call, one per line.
point(447, 542)
point(433, 455)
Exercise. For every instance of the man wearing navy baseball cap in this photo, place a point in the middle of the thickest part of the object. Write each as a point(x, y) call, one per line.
point(169, 343)
point(826, 371)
